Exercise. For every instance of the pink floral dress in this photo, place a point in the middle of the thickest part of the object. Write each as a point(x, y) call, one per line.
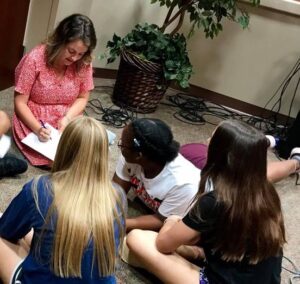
point(50, 97)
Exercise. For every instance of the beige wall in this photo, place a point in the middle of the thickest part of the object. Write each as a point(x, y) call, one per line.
point(249, 65)
point(68, 7)
point(40, 21)
point(290, 6)
point(246, 65)
point(120, 17)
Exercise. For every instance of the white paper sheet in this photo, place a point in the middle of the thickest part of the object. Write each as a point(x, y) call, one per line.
point(48, 149)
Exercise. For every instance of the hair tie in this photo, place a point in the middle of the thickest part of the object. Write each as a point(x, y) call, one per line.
point(137, 143)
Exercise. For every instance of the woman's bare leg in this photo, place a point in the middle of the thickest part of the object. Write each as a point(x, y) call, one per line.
point(277, 171)
point(26, 241)
point(4, 122)
point(10, 256)
point(170, 268)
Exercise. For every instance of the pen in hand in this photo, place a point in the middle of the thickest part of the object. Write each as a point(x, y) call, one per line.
point(44, 126)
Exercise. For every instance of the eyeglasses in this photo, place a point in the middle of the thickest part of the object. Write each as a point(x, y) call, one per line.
point(120, 145)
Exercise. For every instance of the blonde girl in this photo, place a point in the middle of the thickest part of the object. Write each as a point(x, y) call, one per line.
point(76, 216)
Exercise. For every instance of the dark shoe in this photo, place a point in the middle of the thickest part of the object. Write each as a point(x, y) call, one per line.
point(291, 140)
point(10, 165)
point(272, 141)
point(295, 155)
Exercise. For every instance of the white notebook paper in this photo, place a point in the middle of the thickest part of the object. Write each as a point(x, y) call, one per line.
point(48, 149)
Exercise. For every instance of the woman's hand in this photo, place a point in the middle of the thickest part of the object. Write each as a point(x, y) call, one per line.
point(63, 123)
point(75, 110)
point(174, 218)
point(191, 252)
point(169, 223)
point(175, 233)
point(43, 134)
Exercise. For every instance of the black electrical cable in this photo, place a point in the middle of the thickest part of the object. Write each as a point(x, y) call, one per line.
point(295, 271)
point(283, 82)
point(195, 110)
point(293, 98)
point(115, 116)
point(277, 105)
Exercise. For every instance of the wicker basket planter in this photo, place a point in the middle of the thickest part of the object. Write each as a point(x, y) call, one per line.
point(140, 84)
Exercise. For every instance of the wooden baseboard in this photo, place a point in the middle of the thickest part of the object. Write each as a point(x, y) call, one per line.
point(105, 73)
point(208, 95)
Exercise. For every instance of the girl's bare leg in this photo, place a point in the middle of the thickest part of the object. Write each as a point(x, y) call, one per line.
point(277, 171)
point(169, 268)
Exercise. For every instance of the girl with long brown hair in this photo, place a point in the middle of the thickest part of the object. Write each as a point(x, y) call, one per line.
point(236, 218)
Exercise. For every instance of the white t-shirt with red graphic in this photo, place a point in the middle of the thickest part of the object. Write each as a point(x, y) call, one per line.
point(170, 192)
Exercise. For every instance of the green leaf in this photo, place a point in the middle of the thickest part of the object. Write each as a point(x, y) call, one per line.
point(102, 56)
point(243, 21)
point(207, 13)
point(110, 60)
point(150, 43)
point(184, 84)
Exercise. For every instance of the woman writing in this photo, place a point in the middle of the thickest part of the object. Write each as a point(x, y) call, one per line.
point(76, 216)
point(53, 83)
point(239, 223)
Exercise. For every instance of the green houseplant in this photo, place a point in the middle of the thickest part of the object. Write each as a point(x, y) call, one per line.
point(149, 44)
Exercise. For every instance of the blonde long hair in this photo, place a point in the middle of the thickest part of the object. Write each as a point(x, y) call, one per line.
point(84, 201)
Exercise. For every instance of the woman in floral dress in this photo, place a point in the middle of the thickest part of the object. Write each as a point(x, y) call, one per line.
point(52, 83)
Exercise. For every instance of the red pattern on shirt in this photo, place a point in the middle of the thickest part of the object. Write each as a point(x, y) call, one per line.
point(142, 194)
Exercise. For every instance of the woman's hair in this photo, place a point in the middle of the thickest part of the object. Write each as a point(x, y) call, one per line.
point(250, 224)
point(84, 201)
point(74, 27)
point(154, 139)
